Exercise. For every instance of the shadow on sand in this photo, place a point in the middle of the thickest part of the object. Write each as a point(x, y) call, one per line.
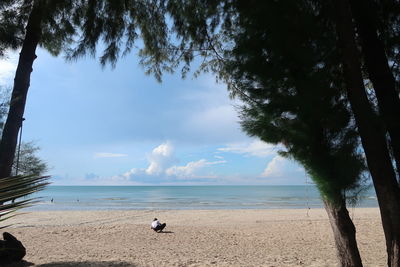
point(74, 263)
point(16, 264)
point(88, 264)
point(166, 232)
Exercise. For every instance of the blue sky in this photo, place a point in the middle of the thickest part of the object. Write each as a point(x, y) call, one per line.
point(119, 126)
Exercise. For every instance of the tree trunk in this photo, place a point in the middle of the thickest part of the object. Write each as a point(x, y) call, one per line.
point(27, 55)
point(379, 71)
point(372, 137)
point(344, 234)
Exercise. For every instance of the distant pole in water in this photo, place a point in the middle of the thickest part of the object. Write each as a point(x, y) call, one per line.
point(19, 147)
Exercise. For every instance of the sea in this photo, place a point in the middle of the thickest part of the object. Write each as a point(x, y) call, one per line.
point(185, 197)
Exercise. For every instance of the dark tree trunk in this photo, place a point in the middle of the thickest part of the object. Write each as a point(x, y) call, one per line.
point(344, 234)
point(372, 137)
point(379, 71)
point(20, 90)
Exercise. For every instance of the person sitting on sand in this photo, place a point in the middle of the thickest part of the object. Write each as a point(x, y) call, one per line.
point(157, 226)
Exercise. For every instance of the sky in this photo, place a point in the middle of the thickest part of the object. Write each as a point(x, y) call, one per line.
point(104, 126)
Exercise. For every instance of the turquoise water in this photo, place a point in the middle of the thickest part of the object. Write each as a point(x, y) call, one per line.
point(184, 197)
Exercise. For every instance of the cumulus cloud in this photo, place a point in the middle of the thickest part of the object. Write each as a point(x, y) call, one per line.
point(190, 169)
point(160, 158)
point(109, 155)
point(256, 148)
point(275, 168)
point(162, 166)
point(283, 171)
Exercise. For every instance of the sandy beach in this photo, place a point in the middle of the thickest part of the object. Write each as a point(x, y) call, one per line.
point(192, 238)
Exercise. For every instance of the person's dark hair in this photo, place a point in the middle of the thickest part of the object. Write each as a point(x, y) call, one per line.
point(155, 219)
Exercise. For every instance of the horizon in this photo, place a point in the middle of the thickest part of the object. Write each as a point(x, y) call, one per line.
point(183, 185)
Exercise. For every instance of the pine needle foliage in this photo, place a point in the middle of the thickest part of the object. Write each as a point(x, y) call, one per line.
point(287, 65)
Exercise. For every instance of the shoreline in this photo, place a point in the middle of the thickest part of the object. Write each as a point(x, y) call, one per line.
point(278, 237)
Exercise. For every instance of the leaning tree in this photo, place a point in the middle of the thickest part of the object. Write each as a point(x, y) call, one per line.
point(293, 98)
point(27, 25)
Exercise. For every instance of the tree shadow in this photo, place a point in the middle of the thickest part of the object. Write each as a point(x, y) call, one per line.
point(16, 264)
point(87, 264)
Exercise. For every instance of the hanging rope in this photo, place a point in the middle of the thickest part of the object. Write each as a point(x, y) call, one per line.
point(307, 196)
point(19, 147)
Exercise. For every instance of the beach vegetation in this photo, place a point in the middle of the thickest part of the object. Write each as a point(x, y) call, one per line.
point(295, 99)
point(377, 125)
point(27, 161)
point(27, 25)
point(15, 191)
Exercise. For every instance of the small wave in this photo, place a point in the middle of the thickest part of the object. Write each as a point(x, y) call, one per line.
point(44, 203)
point(114, 198)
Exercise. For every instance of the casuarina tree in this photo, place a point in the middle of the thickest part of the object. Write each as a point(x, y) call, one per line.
point(372, 133)
point(27, 25)
point(374, 23)
point(73, 27)
point(295, 99)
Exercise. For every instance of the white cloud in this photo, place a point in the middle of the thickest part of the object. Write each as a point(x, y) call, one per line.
point(256, 148)
point(109, 155)
point(190, 169)
point(162, 167)
point(133, 172)
point(160, 158)
point(8, 67)
point(275, 167)
point(283, 171)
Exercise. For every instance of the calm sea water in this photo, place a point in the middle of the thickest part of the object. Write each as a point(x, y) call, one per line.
point(184, 197)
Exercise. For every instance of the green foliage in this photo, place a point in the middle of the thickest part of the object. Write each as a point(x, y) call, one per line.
point(57, 29)
point(296, 90)
point(12, 25)
point(17, 187)
point(388, 24)
point(29, 163)
point(117, 24)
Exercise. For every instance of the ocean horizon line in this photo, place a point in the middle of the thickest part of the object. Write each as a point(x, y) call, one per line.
point(182, 185)
point(102, 197)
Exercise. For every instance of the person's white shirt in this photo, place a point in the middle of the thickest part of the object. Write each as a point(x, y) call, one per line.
point(154, 224)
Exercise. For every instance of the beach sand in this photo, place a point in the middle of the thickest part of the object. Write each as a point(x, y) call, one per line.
point(192, 238)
